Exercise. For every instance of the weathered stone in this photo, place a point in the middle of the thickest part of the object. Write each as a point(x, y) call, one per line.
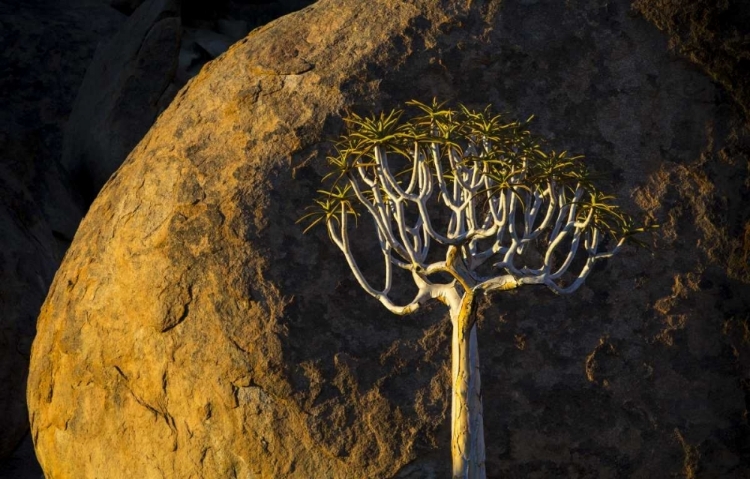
point(193, 330)
point(121, 94)
point(713, 34)
point(46, 48)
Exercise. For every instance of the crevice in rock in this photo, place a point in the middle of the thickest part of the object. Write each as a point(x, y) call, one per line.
point(168, 419)
point(170, 323)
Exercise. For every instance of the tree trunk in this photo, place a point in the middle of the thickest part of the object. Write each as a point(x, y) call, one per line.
point(467, 428)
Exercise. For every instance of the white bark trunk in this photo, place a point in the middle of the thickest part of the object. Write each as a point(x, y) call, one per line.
point(467, 429)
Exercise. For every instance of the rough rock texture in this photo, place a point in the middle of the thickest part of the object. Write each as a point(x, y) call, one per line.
point(44, 50)
point(125, 87)
point(136, 73)
point(193, 331)
point(714, 34)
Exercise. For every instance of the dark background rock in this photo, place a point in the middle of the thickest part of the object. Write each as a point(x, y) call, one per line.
point(28, 260)
point(713, 34)
point(135, 74)
point(205, 333)
point(44, 50)
point(121, 94)
point(126, 7)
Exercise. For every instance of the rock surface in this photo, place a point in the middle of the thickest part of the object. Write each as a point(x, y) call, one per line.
point(135, 75)
point(122, 93)
point(192, 330)
point(713, 34)
point(44, 50)
point(27, 264)
point(46, 47)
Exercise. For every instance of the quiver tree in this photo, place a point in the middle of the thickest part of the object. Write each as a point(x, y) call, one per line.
point(465, 204)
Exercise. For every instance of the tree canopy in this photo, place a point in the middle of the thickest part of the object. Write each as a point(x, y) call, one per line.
point(502, 191)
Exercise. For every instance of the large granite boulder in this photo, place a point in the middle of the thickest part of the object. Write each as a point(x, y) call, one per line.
point(46, 49)
point(192, 330)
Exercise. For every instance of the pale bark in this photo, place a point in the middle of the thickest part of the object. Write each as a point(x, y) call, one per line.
point(498, 210)
point(467, 430)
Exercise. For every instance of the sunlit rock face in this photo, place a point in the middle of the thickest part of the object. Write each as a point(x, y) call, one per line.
point(192, 329)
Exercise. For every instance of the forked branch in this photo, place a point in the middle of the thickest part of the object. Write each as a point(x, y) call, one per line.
point(476, 185)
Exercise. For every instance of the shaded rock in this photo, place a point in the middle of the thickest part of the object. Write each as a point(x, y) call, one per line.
point(713, 34)
point(125, 6)
point(198, 12)
point(45, 50)
point(22, 464)
point(193, 330)
point(121, 94)
point(213, 43)
point(28, 261)
point(234, 29)
point(198, 47)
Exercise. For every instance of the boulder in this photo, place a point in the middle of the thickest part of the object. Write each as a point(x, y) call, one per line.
point(125, 87)
point(47, 47)
point(193, 330)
